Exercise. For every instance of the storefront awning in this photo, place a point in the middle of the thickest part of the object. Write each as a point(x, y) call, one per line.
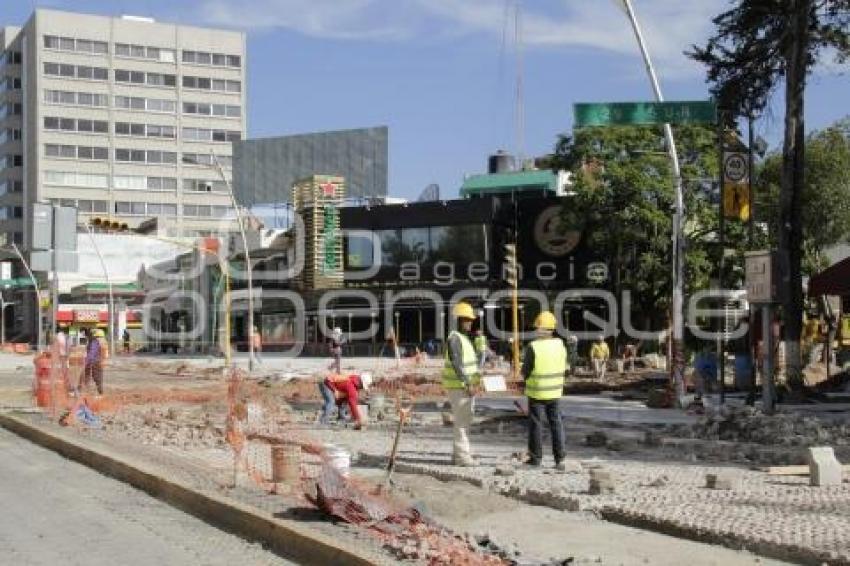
point(834, 280)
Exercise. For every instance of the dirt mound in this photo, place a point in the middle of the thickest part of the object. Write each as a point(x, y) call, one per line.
point(748, 424)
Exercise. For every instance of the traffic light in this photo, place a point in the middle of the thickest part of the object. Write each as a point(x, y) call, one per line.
point(108, 225)
point(511, 269)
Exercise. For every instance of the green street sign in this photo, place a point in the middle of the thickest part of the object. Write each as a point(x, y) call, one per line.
point(643, 113)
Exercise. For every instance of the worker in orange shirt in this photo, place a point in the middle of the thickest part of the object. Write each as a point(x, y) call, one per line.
point(337, 389)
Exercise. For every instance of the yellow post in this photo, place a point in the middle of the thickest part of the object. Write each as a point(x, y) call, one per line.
point(515, 313)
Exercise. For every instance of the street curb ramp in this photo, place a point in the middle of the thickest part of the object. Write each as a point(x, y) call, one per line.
point(282, 537)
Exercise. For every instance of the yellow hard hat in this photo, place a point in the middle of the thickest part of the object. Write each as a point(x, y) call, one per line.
point(463, 310)
point(545, 320)
point(98, 333)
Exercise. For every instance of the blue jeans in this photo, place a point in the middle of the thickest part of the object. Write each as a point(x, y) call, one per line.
point(551, 411)
point(329, 404)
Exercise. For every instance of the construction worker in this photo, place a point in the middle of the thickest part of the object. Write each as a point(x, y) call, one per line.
point(461, 376)
point(480, 343)
point(544, 365)
point(337, 389)
point(93, 367)
point(599, 354)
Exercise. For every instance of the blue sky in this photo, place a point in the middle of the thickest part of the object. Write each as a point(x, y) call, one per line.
point(442, 73)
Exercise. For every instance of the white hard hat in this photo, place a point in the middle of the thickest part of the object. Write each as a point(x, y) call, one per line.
point(337, 330)
point(366, 380)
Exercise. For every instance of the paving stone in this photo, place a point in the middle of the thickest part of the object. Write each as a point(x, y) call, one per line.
point(505, 470)
point(824, 467)
point(721, 480)
point(596, 439)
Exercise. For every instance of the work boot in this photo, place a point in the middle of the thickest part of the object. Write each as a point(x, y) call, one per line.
point(531, 465)
point(464, 462)
point(561, 466)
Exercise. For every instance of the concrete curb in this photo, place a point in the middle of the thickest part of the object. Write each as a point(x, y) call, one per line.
point(282, 537)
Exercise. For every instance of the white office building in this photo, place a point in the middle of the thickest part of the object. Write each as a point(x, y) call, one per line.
point(122, 117)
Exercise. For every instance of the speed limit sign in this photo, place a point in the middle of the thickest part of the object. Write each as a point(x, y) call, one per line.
point(735, 167)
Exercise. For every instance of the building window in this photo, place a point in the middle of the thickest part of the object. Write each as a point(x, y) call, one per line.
point(143, 52)
point(151, 79)
point(10, 58)
point(219, 85)
point(145, 208)
point(76, 125)
point(207, 109)
point(145, 104)
point(213, 59)
point(76, 98)
point(146, 156)
point(11, 186)
point(76, 71)
point(74, 179)
point(9, 135)
point(79, 45)
point(84, 152)
point(204, 186)
point(11, 109)
point(206, 159)
point(203, 134)
point(144, 130)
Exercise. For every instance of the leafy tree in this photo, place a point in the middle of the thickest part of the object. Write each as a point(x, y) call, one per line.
point(624, 189)
point(757, 44)
point(825, 200)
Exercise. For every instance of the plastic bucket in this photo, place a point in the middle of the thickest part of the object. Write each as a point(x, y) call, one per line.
point(339, 459)
point(286, 463)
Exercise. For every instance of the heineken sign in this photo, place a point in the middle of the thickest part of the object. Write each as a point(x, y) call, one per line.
point(644, 113)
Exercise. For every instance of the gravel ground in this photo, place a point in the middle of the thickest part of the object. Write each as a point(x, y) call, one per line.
point(778, 516)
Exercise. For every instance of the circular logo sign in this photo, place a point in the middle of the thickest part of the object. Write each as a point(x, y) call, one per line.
point(735, 167)
point(552, 235)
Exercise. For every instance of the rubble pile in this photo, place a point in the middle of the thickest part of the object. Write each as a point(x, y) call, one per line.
point(747, 424)
point(167, 427)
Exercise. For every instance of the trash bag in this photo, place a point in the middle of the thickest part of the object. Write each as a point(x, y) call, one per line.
point(85, 416)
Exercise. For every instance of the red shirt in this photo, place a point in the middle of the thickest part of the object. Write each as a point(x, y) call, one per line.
point(346, 386)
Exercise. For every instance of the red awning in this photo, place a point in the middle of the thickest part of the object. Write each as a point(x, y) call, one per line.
point(834, 280)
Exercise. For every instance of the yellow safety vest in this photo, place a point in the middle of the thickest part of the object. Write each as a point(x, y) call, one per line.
point(480, 343)
point(470, 364)
point(546, 381)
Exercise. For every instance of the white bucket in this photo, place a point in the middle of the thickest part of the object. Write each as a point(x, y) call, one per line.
point(339, 459)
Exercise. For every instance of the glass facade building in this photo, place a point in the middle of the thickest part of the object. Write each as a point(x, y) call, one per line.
point(264, 170)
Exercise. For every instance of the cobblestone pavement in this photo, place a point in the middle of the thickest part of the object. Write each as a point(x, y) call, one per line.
point(777, 516)
point(60, 512)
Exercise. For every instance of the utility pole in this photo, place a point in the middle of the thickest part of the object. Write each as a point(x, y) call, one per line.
point(678, 271)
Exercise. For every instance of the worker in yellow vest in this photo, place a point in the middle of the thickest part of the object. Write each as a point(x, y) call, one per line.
point(461, 376)
point(544, 365)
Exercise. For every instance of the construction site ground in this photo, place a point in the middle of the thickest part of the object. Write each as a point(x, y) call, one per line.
point(171, 413)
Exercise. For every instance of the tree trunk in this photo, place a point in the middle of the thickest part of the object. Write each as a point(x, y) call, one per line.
point(793, 155)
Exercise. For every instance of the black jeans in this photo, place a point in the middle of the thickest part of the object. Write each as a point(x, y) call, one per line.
point(536, 411)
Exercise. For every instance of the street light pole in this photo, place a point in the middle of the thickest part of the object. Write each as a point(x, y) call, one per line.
point(678, 361)
point(109, 287)
point(248, 266)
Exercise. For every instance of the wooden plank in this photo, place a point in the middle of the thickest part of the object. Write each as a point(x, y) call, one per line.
point(794, 470)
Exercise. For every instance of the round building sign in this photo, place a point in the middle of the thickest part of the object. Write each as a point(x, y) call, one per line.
point(551, 232)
